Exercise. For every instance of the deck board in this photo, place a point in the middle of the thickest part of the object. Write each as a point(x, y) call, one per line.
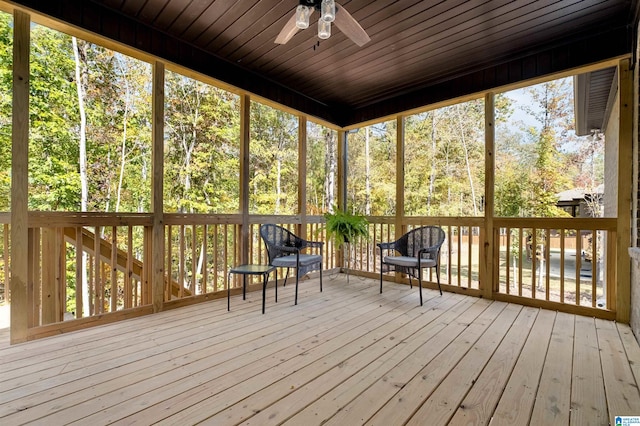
point(620, 385)
point(589, 404)
point(482, 399)
point(552, 403)
point(443, 402)
point(518, 397)
point(413, 394)
point(348, 355)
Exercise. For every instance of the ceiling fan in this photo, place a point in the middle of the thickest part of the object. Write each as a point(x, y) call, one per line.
point(330, 11)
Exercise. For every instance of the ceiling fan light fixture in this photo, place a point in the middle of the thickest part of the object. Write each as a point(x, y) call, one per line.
point(324, 29)
point(328, 10)
point(302, 16)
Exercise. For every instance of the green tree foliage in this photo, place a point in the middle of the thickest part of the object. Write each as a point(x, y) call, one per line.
point(536, 162)
point(273, 163)
point(54, 182)
point(118, 102)
point(444, 161)
point(548, 178)
point(371, 170)
point(202, 150)
point(6, 79)
point(322, 168)
point(511, 183)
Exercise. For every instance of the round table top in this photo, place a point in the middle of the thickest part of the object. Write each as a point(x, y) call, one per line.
point(252, 269)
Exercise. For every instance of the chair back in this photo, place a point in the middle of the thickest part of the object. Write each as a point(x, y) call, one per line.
point(275, 236)
point(420, 238)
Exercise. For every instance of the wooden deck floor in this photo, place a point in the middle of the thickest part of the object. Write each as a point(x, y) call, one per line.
point(346, 356)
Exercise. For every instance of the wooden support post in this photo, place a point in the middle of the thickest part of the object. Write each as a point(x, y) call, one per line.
point(79, 265)
point(625, 152)
point(147, 269)
point(302, 176)
point(98, 284)
point(399, 175)
point(34, 287)
point(342, 169)
point(399, 227)
point(6, 258)
point(49, 274)
point(157, 189)
point(342, 185)
point(20, 308)
point(487, 262)
point(245, 127)
point(113, 279)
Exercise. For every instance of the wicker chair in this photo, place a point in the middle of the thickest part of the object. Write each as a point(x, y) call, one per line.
point(419, 249)
point(284, 250)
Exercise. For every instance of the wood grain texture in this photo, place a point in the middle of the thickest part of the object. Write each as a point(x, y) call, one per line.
point(20, 308)
point(348, 355)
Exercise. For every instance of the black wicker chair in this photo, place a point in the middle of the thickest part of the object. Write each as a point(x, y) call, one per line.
point(419, 249)
point(284, 250)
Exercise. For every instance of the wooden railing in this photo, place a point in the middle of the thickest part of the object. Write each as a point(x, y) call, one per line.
point(565, 264)
point(4, 257)
point(459, 258)
point(200, 250)
point(106, 252)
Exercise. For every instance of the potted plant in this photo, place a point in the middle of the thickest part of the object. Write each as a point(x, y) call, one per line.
point(345, 227)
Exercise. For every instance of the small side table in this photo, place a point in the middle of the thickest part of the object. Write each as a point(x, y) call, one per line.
point(245, 270)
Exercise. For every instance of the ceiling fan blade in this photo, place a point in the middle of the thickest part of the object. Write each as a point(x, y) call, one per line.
point(289, 29)
point(350, 27)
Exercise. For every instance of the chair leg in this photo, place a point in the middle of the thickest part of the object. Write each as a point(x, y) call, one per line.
point(276, 285)
point(420, 285)
point(296, 302)
point(320, 278)
point(244, 287)
point(265, 278)
point(228, 291)
point(285, 278)
point(438, 279)
point(380, 278)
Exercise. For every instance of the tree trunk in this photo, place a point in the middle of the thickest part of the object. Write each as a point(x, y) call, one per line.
point(123, 147)
point(278, 181)
point(367, 171)
point(466, 159)
point(432, 175)
point(81, 78)
point(331, 162)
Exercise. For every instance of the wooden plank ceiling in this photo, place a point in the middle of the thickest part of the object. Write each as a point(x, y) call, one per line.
point(415, 48)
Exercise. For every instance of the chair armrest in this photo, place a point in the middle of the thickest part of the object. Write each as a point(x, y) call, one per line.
point(429, 250)
point(313, 243)
point(288, 249)
point(387, 246)
point(317, 244)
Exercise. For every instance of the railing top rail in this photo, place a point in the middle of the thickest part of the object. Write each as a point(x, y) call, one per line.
point(58, 219)
point(600, 223)
point(228, 219)
point(69, 219)
point(444, 220)
point(279, 219)
point(201, 219)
